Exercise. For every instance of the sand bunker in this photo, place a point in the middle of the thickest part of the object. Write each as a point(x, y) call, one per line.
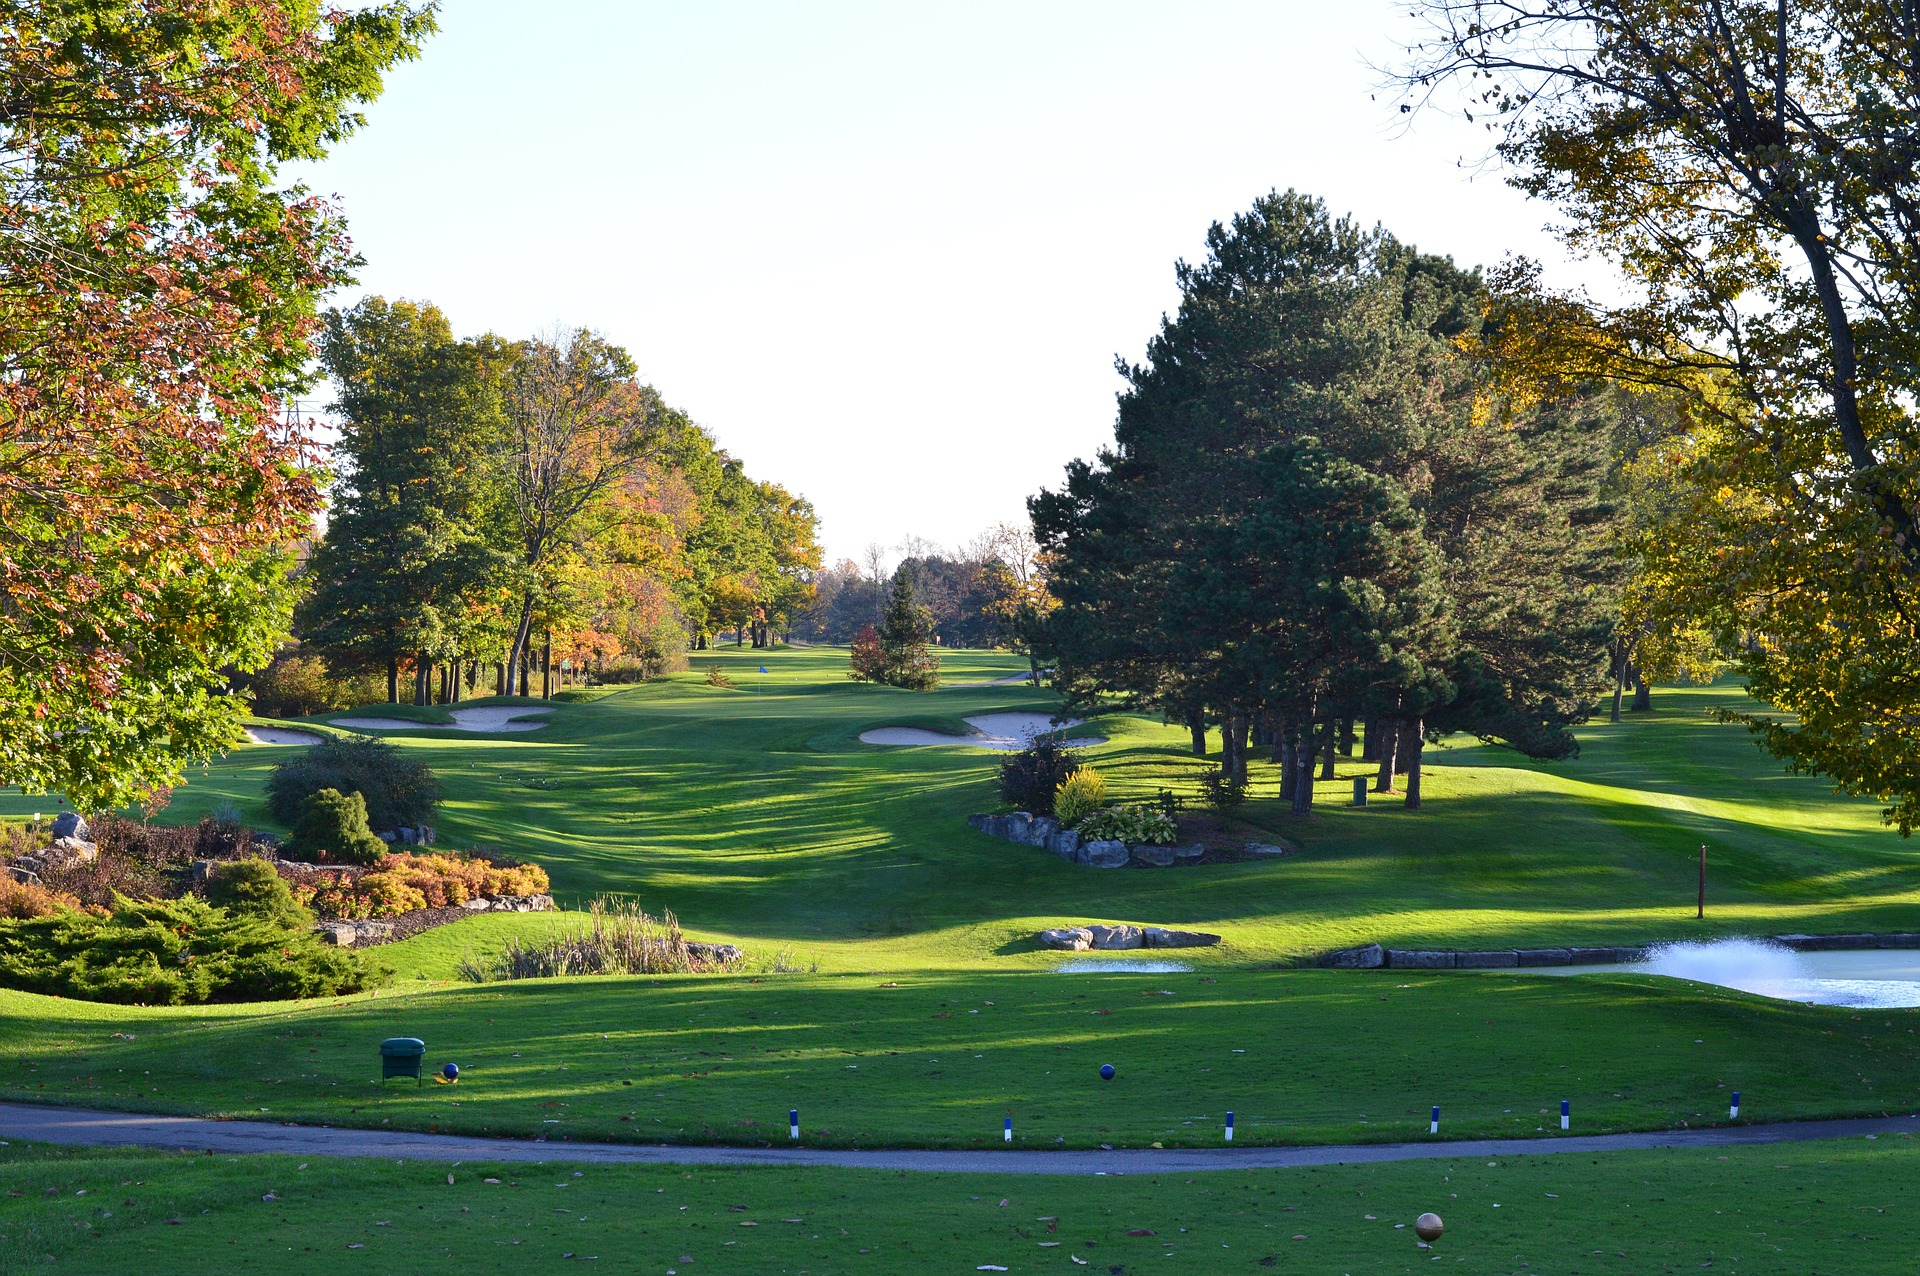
point(1003, 731)
point(490, 718)
point(280, 735)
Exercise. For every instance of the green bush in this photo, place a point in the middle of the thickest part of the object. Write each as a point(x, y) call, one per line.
point(252, 886)
point(397, 791)
point(175, 952)
point(1030, 778)
point(297, 685)
point(333, 827)
point(1080, 794)
point(1135, 824)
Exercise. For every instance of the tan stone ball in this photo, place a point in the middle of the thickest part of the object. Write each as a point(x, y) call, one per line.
point(1428, 1227)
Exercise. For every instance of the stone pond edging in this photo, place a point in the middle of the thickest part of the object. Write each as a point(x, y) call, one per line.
point(1376, 957)
point(1049, 834)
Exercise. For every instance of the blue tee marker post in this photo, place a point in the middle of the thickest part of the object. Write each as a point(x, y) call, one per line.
point(1229, 1127)
point(1433, 1127)
point(793, 1123)
point(1733, 1112)
point(1007, 1133)
point(1566, 1114)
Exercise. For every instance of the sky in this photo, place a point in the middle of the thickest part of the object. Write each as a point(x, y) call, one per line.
point(887, 253)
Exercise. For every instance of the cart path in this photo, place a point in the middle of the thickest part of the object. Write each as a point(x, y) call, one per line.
point(95, 1127)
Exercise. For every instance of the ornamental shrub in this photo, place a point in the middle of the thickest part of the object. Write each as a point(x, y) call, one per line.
point(1135, 824)
point(402, 882)
point(253, 887)
point(1080, 794)
point(175, 952)
point(869, 657)
point(1030, 778)
point(21, 900)
point(397, 791)
point(333, 826)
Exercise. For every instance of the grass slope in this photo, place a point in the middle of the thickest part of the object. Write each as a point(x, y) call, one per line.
point(1816, 1207)
point(939, 1059)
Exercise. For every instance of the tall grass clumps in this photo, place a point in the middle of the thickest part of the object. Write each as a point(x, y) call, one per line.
point(616, 937)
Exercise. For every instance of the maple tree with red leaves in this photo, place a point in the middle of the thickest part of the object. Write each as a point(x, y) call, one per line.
point(158, 297)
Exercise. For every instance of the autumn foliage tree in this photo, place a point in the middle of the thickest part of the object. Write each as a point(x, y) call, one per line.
point(1753, 170)
point(158, 289)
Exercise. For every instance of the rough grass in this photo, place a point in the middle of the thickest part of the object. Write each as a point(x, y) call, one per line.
point(1815, 1207)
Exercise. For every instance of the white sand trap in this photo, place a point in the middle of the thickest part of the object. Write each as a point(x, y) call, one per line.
point(491, 718)
point(280, 735)
point(1003, 731)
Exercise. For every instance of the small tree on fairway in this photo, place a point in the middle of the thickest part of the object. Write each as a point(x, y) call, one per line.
point(905, 640)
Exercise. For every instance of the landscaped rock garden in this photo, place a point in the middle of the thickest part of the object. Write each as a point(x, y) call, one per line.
point(1103, 938)
point(1210, 845)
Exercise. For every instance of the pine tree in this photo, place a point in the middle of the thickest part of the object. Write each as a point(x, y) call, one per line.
point(906, 635)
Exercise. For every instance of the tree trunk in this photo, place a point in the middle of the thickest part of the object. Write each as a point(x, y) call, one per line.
point(1389, 742)
point(1642, 694)
point(1196, 729)
point(1283, 751)
point(1416, 745)
point(1370, 744)
point(1619, 684)
point(420, 683)
point(499, 677)
point(1241, 725)
point(1327, 751)
point(393, 680)
point(1346, 737)
point(517, 649)
point(1303, 753)
point(546, 667)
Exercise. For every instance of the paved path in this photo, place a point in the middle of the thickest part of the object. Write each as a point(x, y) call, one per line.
point(93, 1127)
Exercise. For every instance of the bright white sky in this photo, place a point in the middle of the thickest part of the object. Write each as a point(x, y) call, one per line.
point(886, 252)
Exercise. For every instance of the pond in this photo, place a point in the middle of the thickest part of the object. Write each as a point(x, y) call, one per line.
point(1874, 978)
point(1120, 966)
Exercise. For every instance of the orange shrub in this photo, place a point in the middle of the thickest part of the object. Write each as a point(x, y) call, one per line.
point(402, 882)
point(20, 901)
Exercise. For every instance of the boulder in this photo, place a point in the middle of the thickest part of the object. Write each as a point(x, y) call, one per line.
point(1545, 957)
point(978, 823)
point(1104, 854)
point(1193, 852)
point(715, 954)
point(200, 872)
point(1115, 938)
point(1065, 844)
point(70, 824)
point(1039, 829)
point(1073, 939)
point(1015, 828)
point(1162, 937)
point(1156, 856)
point(477, 904)
point(1365, 957)
point(1420, 959)
point(71, 850)
point(1488, 960)
point(347, 933)
point(20, 873)
point(1264, 848)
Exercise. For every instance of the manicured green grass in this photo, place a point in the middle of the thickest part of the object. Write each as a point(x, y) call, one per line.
point(757, 816)
point(940, 1059)
point(1838, 1207)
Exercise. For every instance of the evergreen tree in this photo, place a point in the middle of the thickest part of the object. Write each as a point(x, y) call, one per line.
point(906, 640)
